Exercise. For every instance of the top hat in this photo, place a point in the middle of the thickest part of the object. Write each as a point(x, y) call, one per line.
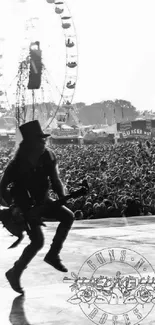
point(31, 130)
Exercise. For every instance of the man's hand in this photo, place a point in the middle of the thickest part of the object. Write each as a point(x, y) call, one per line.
point(17, 214)
point(34, 215)
point(2, 202)
point(34, 212)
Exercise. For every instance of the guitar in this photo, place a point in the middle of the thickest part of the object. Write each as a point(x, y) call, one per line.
point(17, 225)
point(37, 210)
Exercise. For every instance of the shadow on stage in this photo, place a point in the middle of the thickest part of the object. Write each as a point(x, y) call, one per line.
point(17, 315)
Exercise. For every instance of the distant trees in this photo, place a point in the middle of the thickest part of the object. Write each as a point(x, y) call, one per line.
point(106, 112)
point(109, 111)
point(118, 110)
point(126, 108)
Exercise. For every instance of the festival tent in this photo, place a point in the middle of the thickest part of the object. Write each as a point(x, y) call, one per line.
point(7, 132)
point(66, 127)
point(112, 129)
point(101, 134)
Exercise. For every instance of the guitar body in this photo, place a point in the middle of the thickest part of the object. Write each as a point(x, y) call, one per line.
point(14, 228)
point(9, 223)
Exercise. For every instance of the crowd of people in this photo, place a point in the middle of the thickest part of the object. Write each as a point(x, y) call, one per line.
point(121, 177)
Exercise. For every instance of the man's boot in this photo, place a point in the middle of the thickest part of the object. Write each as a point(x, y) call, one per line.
point(55, 261)
point(52, 257)
point(13, 277)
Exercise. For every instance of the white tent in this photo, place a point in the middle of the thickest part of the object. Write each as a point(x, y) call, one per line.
point(66, 127)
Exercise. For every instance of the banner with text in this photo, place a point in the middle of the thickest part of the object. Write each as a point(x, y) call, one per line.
point(138, 128)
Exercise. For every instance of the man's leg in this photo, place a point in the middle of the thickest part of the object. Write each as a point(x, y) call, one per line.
point(66, 218)
point(37, 241)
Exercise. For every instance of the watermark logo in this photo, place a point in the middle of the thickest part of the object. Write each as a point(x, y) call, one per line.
point(114, 286)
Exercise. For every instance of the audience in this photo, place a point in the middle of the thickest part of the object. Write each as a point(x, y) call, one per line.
point(121, 177)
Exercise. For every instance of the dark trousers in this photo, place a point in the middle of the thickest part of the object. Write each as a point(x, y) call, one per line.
point(58, 213)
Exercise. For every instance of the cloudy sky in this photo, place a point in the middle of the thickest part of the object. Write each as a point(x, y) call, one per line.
point(116, 47)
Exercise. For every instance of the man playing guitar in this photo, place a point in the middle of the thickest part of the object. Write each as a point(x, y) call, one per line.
point(28, 176)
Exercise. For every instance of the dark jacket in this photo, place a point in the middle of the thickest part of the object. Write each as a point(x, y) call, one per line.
point(27, 185)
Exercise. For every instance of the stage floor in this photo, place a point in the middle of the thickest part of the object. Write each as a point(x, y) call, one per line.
point(110, 248)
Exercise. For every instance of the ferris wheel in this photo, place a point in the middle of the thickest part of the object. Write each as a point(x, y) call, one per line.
point(48, 66)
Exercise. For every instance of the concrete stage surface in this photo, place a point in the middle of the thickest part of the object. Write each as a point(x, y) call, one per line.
point(95, 250)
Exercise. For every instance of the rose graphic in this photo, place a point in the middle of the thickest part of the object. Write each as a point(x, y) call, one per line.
point(87, 295)
point(84, 295)
point(143, 295)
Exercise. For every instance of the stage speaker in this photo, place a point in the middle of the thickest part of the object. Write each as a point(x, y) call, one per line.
point(35, 66)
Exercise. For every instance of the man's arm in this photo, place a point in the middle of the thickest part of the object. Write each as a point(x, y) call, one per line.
point(56, 182)
point(53, 173)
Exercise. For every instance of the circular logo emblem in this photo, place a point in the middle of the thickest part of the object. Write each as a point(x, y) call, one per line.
point(114, 285)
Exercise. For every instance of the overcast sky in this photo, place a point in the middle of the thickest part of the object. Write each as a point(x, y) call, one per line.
point(116, 47)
